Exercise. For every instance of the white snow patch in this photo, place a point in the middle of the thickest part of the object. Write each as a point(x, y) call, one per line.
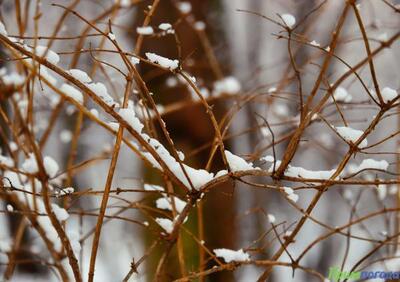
point(145, 30)
point(199, 25)
point(290, 194)
point(13, 146)
point(65, 136)
point(289, 20)
point(128, 114)
point(80, 75)
point(288, 190)
point(51, 56)
point(382, 191)
point(236, 163)
point(165, 203)
point(204, 92)
point(13, 78)
point(198, 177)
point(51, 166)
point(66, 191)
point(111, 36)
point(277, 164)
point(184, 7)
point(294, 171)
point(293, 197)
point(114, 125)
point(165, 26)
point(166, 224)
point(44, 72)
point(227, 85)
point(124, 3)
point(271, 218)
point(95, 113)
point(171, 81)
point(101, 90)
point(268, 158)
point(30, 165)
point(232, 255)
point(373, 164)
point(11, 179)
point(74, 239)
point(5, 245)
point(135, 60)
point(393, 190)
point(281, 109)
point(221, 173)
point(3, 30)
point(72, 92)
point(181, 156)
point(388, 94)
point(60, 213)
point(351, 135)
point(7, 161)
point(162, 61)
point(341, 95)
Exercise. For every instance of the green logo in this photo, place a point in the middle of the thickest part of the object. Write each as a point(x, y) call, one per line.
point(335, 274)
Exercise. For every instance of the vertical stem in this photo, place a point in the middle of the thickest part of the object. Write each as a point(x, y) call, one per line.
point(200, 226)
point(12, 256)
point(181, 252)
point(107, 188)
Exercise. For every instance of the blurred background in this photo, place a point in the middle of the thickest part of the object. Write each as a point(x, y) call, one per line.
point(214, 39)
